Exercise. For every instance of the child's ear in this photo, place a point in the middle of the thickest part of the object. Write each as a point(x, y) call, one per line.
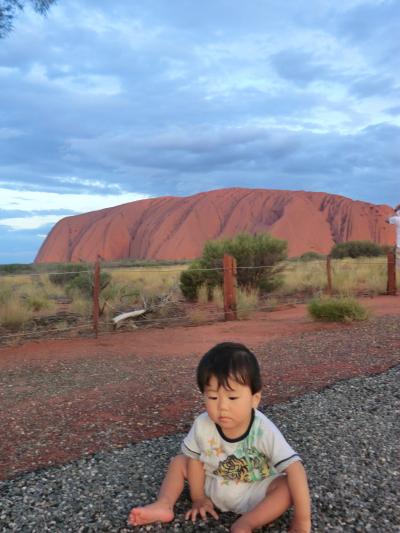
point(256, 400)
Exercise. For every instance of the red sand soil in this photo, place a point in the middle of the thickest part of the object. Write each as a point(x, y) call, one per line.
point(60, 400)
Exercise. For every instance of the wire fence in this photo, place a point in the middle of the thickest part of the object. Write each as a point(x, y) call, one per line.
point(34, 305)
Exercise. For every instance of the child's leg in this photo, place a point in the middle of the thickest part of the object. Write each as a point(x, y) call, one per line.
point(162, 509)
point(277, 500)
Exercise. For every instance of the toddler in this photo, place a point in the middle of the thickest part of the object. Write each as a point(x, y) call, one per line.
point(234, 457)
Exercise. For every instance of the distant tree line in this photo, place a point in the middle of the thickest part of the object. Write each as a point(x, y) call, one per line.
point(358, 249)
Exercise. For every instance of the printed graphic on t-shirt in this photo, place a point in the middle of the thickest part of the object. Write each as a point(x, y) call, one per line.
point(253, 467)
point(246, 464)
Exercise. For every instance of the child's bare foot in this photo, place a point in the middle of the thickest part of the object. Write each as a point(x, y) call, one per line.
point(155, 512)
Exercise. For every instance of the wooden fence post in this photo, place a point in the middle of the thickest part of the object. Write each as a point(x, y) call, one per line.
point(230, 284)
point(329, 275)
point(96, 294)
point(391, 288)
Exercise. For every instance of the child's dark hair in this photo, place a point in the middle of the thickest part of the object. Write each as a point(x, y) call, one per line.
point(229, 360)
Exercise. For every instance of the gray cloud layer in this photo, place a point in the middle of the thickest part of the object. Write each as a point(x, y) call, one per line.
point(174, 98)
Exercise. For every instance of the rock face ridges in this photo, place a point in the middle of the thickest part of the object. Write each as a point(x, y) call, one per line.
point(177, 227)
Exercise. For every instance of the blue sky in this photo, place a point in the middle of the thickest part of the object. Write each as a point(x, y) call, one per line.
point(102, 103)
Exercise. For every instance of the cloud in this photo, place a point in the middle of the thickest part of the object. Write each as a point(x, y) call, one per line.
point(374, 85)
point(29, 209)
point(395, 110)
point(31, 222)
point(106, 102)
point(300, 67)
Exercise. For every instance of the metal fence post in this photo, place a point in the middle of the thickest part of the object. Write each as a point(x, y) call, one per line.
point(230, 284)
point(96, 294)
point(391, 288)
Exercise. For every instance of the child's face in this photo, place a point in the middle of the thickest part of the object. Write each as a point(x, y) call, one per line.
point(230, 408)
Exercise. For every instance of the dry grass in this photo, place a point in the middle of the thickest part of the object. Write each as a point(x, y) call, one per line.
point(218, 297)
point(202, 295)
point(23, 295)
point(303, 277)
point(349, 277)
point(81, 305)
point(198, 316)
point(150, 280)
point(247, 302)
point(13, 314)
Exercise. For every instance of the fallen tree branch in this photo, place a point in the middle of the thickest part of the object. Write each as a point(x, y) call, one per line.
point(131, 314)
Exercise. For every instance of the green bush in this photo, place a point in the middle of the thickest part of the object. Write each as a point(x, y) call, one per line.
point(312, 256)
point(17, 268)
point(337, 310)
point(83, 283)
point(257, 251)
point(357, 249)
point(191, 280)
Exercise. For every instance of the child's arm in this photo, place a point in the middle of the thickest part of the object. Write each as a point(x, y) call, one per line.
point(200, 503)
point(298, 486)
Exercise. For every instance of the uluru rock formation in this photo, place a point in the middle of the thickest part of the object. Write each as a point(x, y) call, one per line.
point(177, 227)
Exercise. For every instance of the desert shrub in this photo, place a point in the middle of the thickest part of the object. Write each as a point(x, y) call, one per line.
point(17, 268)
point(13, 313)
point(37, 302)
point(262, 252)
point(388, 248)
point(357, 249)
point(312, 256)
point(191, 280)
point(83, 283)
point(337, 310)
point(65, 273)
point(119, 293)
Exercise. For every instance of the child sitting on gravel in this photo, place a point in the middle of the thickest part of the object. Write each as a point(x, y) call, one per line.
point(234, 458)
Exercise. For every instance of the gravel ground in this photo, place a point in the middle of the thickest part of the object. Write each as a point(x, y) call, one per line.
point(348, 435)
point(60, 401)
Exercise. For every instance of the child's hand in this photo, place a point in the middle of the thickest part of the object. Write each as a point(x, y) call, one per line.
point(201, 507)
point(300, 525)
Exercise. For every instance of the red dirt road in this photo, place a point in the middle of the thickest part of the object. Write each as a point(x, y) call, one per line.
point(61, 399)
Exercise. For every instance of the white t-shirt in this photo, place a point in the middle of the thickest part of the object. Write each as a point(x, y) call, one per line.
point(234, 467)
point(396, 220)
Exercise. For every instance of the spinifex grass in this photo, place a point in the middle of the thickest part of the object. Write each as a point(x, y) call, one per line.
point(337, 310)
point(152, 280)
point(246, 301)
point(303, 277)
point(13, 313)
point(349, 276)
point(360, 275)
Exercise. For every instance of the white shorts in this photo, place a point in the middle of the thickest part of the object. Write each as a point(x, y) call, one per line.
point(239, 498)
